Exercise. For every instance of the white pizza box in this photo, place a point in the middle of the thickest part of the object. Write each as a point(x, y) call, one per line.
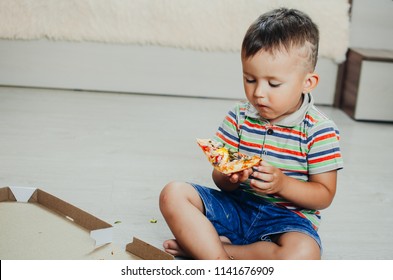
point(37, 225)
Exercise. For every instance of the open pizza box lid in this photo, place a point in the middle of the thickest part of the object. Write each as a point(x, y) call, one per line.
point(38, 225)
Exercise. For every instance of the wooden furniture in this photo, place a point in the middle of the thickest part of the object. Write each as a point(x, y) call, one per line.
point(368, 85)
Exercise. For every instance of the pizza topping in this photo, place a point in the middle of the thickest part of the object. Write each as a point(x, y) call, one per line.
point(219, 156)
point(226, 160)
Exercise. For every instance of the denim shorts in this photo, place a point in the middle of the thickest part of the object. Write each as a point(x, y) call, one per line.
point(244, 218)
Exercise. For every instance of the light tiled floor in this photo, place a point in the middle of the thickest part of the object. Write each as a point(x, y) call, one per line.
point(110, 154)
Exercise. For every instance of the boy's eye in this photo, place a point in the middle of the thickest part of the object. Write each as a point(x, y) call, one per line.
point(274, 85)
point(250, 81)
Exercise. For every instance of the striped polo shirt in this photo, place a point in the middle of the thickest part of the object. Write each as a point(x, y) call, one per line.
point(305, 142)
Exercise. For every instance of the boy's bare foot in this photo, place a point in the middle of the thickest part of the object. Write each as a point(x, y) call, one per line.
point(172, 247)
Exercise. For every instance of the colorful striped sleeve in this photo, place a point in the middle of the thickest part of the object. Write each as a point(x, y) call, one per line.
point(324, 149)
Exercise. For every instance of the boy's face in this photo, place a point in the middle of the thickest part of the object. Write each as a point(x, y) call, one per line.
point(274, 83)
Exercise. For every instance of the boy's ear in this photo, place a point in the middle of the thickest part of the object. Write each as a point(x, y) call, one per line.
point(310, 82)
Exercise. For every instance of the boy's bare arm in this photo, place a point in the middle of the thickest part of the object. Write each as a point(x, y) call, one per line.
point(317, 193)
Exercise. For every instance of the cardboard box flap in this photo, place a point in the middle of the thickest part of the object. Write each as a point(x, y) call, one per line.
point(6, 194)
point(146, 251)
point(71, 212)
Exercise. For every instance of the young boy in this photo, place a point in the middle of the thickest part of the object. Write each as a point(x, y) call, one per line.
point(270, 211)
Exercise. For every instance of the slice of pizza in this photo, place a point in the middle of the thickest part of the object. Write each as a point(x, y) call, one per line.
point(226, 160)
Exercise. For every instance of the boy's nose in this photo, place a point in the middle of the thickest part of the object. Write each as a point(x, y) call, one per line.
point(260, 91)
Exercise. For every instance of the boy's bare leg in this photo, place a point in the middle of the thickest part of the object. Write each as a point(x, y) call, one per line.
point(291, 246)
point(183, 211)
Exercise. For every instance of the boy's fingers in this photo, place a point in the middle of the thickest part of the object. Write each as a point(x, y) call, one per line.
point(233, 178)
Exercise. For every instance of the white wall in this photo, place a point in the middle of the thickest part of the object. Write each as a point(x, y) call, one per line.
point(135, 69)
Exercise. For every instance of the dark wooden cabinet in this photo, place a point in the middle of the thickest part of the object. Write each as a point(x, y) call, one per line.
point(368, 85)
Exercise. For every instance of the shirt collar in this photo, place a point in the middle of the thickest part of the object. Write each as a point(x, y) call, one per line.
point(293, 119)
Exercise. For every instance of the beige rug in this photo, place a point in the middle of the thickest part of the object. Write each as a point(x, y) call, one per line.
point(207, 25)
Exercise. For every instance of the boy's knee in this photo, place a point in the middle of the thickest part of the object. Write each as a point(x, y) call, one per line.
point(179, 194)
point(307, 252)
point(298, 246)
point(171, 187)
point(304, 251)
point(170, 193)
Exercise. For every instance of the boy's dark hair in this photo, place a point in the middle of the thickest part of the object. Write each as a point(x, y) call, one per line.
point(282, 28)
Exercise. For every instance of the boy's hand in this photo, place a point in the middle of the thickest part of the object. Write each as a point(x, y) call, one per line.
point(240, 177)
point(268, 179)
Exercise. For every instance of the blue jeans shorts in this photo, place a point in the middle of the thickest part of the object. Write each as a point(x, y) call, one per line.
point(245, 218)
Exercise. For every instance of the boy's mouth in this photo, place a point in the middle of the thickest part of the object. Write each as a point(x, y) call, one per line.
point(261, 106)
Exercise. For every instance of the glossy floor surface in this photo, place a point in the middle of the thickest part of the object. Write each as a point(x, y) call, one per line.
point(110, 154)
